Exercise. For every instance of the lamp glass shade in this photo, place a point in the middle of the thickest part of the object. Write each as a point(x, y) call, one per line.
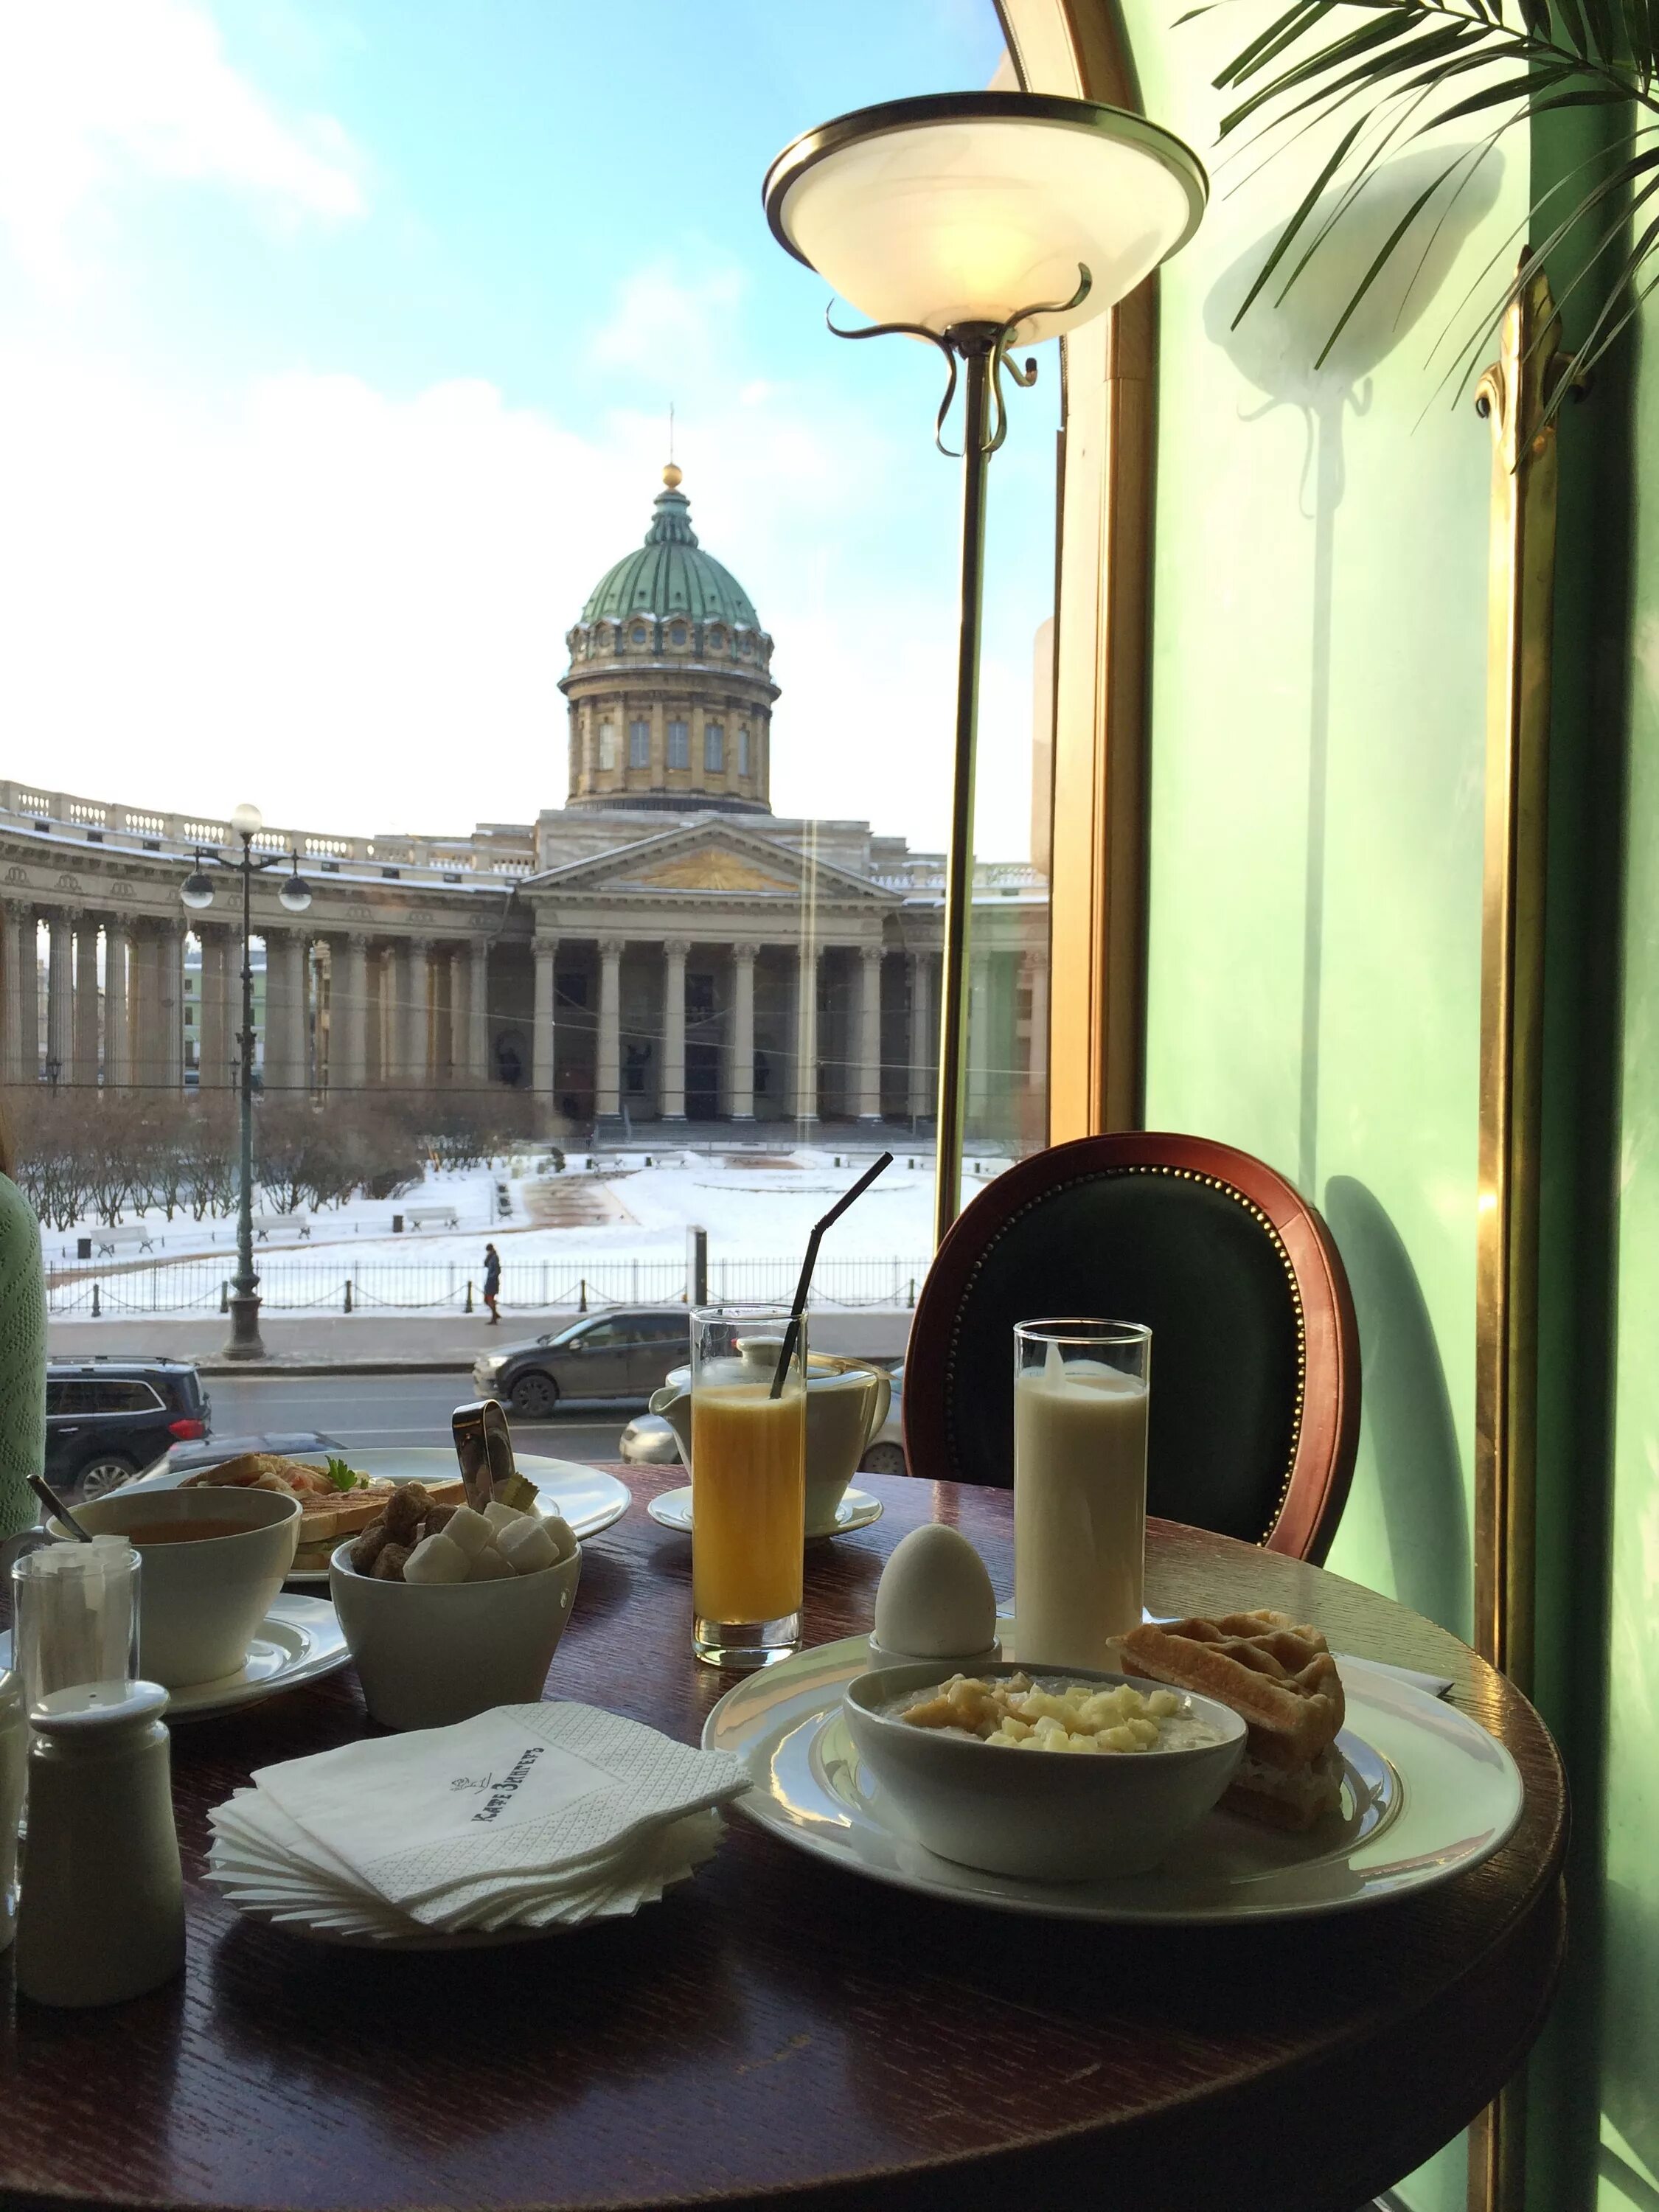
point(247, 821)
point(966, 207)
point(296, 893)
point(197, 891)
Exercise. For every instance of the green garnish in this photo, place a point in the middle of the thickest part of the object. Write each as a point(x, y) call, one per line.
point(341, 1476)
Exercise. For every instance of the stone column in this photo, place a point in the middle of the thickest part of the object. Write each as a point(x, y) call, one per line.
point(866, 1075)
point(742, 1084)
point(806, 1033)
point(1036, 965)
point(117, 1028)
point(460, 1020)
point(607, 1077)
point(408, 1024)
point(84, 1041)
point(477, 1013)
point(60, 1000)
point(170, 1003)
point(16, 1062)
point(672, 1107)
point(924, 1038)
point(213, 1048)
point(348, 1013)
point(141, 1004)
point(542, 1039)
point(979, 1034)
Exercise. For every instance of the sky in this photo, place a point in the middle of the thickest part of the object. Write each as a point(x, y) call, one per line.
point(338, 339)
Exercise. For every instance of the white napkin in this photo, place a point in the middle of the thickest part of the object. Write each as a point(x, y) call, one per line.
point(527, 1815)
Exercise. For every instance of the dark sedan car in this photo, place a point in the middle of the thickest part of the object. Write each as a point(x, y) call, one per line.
point(107, 1419)
point(621, 1354)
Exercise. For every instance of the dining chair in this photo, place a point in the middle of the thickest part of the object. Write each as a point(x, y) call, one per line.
point(1254, 1413)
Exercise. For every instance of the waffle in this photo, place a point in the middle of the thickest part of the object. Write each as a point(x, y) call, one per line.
point(1280, 1678)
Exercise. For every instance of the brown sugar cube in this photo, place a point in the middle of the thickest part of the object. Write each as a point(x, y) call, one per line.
point(438, 1518)
point(369, 1545)
point(405, 1509)
point(389, 1567)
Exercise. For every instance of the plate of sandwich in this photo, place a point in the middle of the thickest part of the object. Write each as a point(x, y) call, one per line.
point(1356, 1786)
point(340, 1495)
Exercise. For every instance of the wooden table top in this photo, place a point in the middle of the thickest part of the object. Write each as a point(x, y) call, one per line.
point(776, 2030)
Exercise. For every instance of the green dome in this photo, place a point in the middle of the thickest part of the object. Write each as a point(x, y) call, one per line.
point(671, 575)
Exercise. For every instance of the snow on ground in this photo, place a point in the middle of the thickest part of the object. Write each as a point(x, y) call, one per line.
point(749, 1210)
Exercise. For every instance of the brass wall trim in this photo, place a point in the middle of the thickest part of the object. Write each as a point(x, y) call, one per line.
point(1097, 884)
point(1513, 395)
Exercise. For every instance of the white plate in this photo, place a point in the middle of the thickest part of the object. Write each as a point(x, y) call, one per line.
point(299, 1640)
point(857, 1510)
point(1427, 1795)
point(589, 1499)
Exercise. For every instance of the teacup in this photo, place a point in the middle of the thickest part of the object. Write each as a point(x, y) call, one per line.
point(847, 1401)
point(201, 1598)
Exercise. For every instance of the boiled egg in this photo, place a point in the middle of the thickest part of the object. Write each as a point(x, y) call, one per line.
point(934, 1600)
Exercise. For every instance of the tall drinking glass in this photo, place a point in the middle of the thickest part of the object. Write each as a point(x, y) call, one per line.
point(1081, 1392)
point(748, 1485)
point(74, 1619)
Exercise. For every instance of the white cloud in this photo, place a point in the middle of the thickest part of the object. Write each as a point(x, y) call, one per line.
point(94, 90)
point(352, 608)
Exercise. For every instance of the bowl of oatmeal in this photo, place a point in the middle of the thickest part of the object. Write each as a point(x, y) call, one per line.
point(1049, 1775)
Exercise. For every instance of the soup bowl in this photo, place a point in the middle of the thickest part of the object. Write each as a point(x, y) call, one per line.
point(213, 1561)
point(1044, 1815)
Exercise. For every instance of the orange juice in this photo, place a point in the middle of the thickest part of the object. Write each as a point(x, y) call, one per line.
point(748, 1501)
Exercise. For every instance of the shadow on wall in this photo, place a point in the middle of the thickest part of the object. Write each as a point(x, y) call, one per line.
point(1407, 1410)
point(1276, 347)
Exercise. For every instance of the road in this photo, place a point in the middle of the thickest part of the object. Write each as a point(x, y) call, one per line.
point(366, 1410)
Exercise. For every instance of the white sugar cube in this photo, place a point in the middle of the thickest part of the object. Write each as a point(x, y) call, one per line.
point(563, 1535)
point(435, 1560)
point(468, 1529)
point(528, 1547)
point(501, 1517)
point(487, 1566)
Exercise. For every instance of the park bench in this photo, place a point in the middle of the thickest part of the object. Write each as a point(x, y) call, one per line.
point(265, 1223)
point(434, 1216)
point(129, 1234)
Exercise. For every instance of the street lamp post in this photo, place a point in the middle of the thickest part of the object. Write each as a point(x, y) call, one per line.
point(197, 893)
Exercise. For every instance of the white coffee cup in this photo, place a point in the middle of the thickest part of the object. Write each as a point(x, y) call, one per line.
point(200, 1599)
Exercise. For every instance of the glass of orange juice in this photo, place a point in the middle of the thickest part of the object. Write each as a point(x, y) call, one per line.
point(748, 1484)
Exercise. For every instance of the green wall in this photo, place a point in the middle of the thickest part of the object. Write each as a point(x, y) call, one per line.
point(1318, 751)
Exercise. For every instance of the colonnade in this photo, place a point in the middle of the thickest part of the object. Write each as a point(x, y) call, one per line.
point(127, 1029)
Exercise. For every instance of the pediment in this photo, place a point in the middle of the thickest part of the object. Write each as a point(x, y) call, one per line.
point(718, 858)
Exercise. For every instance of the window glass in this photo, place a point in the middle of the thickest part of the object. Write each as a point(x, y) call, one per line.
point(714, 748)
point(743, 749)
point(677, 634)
point(607, 745)
point(131, 1397)
point(70, 1396)
point(639, 745)
point(680, 745)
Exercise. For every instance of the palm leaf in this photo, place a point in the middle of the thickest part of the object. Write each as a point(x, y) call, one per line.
point(1410, 61)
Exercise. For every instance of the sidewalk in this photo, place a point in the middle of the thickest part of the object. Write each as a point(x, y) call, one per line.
point(309, 1344)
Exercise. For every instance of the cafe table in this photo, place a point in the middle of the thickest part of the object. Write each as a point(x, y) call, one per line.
point(778, 2033)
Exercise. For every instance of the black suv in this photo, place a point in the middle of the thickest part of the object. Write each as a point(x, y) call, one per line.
point(108, 1419)
point(621, 1354)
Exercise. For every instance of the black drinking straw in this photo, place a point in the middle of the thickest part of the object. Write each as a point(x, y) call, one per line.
point(793, 1332)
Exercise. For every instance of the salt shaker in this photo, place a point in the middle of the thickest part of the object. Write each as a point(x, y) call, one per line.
point(13, 1752)
point(100, 1905)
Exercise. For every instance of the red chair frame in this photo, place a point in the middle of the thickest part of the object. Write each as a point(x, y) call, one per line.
point(1327, 1432)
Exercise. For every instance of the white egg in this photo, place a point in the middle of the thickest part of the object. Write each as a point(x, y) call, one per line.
point(934, 1600)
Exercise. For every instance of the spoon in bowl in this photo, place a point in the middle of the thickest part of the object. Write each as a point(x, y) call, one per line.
point(48, 1496)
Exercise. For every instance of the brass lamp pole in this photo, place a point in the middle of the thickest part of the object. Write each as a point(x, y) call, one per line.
point(197, 893)
point(943, 217)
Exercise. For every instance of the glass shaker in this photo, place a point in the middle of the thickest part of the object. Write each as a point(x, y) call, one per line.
point(100, 1905)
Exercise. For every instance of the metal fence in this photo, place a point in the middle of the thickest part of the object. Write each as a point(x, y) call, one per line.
point(578, 1286)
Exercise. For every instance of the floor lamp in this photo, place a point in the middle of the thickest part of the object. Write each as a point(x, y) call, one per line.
point(978, 222)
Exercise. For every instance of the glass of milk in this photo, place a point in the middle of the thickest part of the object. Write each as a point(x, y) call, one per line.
point(1081, 1390)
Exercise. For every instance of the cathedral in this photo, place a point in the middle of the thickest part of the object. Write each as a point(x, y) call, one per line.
point(661, 949)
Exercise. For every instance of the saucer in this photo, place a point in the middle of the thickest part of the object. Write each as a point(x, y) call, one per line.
point(857, 1510)
point(299, 1640)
